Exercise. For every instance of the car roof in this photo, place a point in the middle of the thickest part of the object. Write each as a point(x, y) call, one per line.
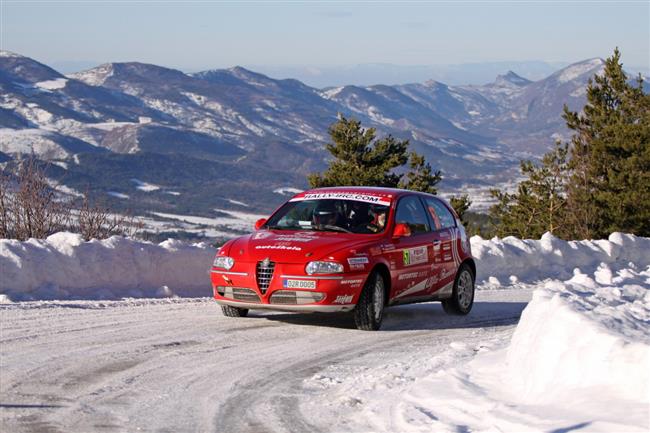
point(358, 189)
point(391, 193)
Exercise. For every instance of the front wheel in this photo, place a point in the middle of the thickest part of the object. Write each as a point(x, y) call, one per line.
point(462, 298)
point(230, 311)
point(370, 309)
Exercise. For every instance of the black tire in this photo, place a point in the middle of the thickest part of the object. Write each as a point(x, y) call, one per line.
point(231, 311)
point(459, 304)
point(369, 311)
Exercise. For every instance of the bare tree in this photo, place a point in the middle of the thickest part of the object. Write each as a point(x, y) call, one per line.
point(28, 204)
point(31, 207)
point(96, 221)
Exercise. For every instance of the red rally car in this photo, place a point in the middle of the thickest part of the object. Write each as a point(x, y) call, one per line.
point(357, 249)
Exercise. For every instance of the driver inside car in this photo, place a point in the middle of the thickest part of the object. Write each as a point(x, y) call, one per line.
point(325, 214)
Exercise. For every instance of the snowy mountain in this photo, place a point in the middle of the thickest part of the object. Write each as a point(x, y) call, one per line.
point(134, 116)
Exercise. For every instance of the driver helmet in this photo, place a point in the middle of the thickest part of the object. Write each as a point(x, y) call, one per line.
point(325, 213)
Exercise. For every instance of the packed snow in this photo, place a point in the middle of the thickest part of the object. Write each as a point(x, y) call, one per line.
point(578, 358)
point(557, 341)
point(63, 266)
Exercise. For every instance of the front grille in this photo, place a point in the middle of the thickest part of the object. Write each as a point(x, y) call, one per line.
point(264, 273)
point(239, 294)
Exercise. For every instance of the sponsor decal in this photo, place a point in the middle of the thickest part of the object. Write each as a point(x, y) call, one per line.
point(445, 273)
point(357, 267)
point(414, 256)
point(299, 284)
point(343, 299)
point(358, 260)
point(408, 276)
point(387, 247)
point(352, 282)
point(295, 238)
point(262, 235)
point(367, 198)
point(278, 247)
point(432, 280)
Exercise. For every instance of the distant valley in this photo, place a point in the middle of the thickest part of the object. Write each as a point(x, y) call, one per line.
point(236, 140)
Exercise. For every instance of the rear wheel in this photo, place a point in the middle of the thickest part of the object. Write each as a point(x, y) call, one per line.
point(370, 309)
point(230, 311)
point(462, 298)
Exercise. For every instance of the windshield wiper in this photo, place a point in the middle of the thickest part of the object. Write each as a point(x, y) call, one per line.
point(334, 228)
point(276, 227)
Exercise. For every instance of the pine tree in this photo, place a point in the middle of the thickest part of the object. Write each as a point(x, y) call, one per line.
point(420, 176)
point(609, 187)
point(360, 159)
point(539, 204)
point(461, 205)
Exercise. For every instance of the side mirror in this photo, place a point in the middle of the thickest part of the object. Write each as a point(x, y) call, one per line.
point(259, 223)
point(401, 230)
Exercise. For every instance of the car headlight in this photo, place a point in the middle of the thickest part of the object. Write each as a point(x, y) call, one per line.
point(323, 268)
point(223, 262)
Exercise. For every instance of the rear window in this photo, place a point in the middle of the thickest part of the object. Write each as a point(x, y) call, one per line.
point(440, 215)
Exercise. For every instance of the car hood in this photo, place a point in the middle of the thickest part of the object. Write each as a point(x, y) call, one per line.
point(283, 246)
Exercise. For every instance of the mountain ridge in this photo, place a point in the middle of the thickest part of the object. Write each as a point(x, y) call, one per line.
point(475, 134)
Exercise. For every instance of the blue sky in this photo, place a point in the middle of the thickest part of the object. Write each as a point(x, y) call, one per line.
point(200, 35)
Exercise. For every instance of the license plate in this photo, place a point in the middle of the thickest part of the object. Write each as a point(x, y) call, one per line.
point(299, 284)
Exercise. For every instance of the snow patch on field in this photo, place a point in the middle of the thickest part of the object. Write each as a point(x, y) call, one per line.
point(63, 266)
point(287, 190)
point(56, 84)
point(145, 186)
point(118, 195)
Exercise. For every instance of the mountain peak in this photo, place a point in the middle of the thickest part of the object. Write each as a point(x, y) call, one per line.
point(5, 53)
point(511, 78)
point(95, 76)
point(576, 70)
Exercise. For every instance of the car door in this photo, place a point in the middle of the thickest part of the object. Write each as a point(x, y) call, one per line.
point(445, 256)
point(411, 257)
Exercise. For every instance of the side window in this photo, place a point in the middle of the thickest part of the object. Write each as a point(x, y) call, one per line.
point(440, 215)
point(410, 212)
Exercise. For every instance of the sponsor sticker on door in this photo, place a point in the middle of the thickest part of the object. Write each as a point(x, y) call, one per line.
point(299, 284)
point(414, 256)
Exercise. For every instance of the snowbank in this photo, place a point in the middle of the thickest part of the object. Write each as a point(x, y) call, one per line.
point(511, 260)
point(63, 266)
point(579, 358)
point(585, 333)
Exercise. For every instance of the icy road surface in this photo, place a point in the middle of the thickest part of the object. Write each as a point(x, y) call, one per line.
point(179, 365)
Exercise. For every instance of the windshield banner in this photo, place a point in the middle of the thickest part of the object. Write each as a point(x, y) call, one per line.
point(367, 198)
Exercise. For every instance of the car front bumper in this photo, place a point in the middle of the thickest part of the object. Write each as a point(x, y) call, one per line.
point(334, 293)
point(307, 308)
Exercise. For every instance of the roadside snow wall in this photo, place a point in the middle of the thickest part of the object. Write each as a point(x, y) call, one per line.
point(585, 334)
point(585, 338)
point(64, 266)
point(511, 260)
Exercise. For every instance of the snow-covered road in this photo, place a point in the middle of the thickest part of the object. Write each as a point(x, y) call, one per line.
point(178, 365)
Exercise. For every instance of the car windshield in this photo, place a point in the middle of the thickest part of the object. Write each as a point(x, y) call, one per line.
point(349, 216)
